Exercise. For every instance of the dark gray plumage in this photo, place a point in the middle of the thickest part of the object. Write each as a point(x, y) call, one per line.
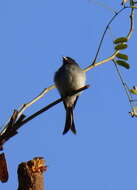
point(68, 78)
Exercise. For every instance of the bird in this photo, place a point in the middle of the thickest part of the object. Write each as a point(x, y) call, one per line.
point(68, 78)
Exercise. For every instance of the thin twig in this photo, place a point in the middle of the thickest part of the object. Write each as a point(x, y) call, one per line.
point(25, 106)
point(100, 3)
point(125, 86)
point(131, 24)
point(101, 62)
point(104, 33)
point(123, 83)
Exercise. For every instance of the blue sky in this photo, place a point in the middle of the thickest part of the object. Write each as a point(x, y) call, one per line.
point(34, 36)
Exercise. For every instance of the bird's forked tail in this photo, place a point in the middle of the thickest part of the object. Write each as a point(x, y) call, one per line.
point(69, 124)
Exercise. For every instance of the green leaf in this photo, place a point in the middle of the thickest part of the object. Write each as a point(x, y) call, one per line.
point(133, 91)
point(122, 56)
point(120, 40)
point(121, 46)
point(123, 64)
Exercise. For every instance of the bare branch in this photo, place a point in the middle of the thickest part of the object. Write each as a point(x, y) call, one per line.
point(101, 62)
point(25, 106)
point(10, 130)
point(48, 107)
point(104, 33)
point(132, 24)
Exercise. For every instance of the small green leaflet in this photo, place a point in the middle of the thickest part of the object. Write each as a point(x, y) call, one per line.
point(120, 40)
point(133, 91)
point(121, 46)
point(122, 56)
point(123, 64)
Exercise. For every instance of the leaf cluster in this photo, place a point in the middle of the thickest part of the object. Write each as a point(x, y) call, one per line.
point(121, 44)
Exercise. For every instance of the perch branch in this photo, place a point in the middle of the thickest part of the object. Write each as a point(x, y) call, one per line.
point(48, 107)
point(11, 128)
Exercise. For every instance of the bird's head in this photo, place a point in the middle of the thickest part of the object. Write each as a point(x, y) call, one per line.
point(68, 60)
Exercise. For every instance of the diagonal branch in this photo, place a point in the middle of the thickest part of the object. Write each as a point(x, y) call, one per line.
point(101, 62)
point(25, 106)
point(11, 128)
point(48, 107)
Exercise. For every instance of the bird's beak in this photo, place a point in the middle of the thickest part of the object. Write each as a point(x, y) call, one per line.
point(65, 58)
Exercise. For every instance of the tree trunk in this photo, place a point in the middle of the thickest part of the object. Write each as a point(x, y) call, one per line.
point(30, 174)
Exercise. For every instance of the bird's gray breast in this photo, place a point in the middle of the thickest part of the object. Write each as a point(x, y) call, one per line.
point(68, 78)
